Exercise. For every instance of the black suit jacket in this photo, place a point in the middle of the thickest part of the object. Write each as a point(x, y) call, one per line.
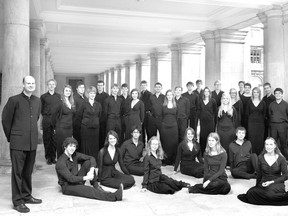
point(19, 120)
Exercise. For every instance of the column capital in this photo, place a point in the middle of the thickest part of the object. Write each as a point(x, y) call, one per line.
point(192, 49)
point(263, 18)
point(230, 36)
point(207, 35)
point(127, 64)
point(112, 69)
point(138, 60)
point(119, 67)
point(175, 47)
point(285, 13)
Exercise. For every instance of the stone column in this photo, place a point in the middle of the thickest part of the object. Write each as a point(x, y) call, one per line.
point(274, 46)
point(176, 65)
point(153, 69)
point(43, 43)
point(15, 61)
point(285, 22)
point(47, 72)
point(107, 81)
point(224, 57)
point(118, 71)
point(112, 82)
point(35, 35)
point(138, 72)
point(127, 73)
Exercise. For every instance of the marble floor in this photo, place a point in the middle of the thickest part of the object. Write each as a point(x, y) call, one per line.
point(134, 202)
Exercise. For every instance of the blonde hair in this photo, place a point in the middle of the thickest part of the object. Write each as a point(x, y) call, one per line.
point(259, 92)
point(166, 100)
point(218, 146)
point(70, 98)
point(233, 89)
point(159, 152)
point(221, 107)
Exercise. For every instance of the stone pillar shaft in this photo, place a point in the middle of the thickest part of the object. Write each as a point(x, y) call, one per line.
point(112, 82)
point(176, 65)
point(138, 72)
point(153, 69)
point(43, 85)
point(118, 71)
point(107, 81)
point(127, 74)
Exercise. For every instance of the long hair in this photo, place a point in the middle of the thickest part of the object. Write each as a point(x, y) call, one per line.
point(259, 92)
point(194, 140)
point(221, 107)
point(166, 100)
point(159, 151)
point(113, 133)
point(203, 96)
point(134, 90)
point(276, 150)
point(219, 148)
point(234, 90)
point(70, 98)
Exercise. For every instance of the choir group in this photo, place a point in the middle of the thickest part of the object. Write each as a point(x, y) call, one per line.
point(141, 131)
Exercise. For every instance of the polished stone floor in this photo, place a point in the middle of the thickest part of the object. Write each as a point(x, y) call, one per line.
point(135, 202)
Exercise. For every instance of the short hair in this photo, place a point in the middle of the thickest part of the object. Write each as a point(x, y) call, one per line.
point(247, 84)
point(136, 127)
point(241, 81)
point(240, 129)
point(124, 85)
point(176, 87)
point(114, 85)
point(79, 83)
point(143, 82)
point(278, 89)
point(69, 140)
point(189, 83)
point(217, 82)
point(91, 89)
point(198, 81)
point(100, 81)
point(267, 84)
point(158, 83)
point(51, 80)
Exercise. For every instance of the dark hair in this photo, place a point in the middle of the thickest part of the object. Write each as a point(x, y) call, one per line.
point(240, 129)
point(194, 140)
point(247, 84)
point(114, 85)
point(113, 133)
point(134, 90)
point(189, 83)
point(267, 84)
point(176, 87)
point(198, 81)
point(203, 96)
point(124, 85)
point(69, 140)
point(136, 127)
point(79, 83)
point(278, 89)
point(100, 81)
point(158, 83)
point(241, 82)
point(143, 82)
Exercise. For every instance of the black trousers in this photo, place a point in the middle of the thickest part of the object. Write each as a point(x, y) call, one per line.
point(114, 124)
point(165, 185)
point(192, 120)
point(102, 133)
point(21, 176)
point(136, 169)
point(48, 139)
point(279, 131)
point(145, 127)
point(77, 132)
point(153, 125)
point(82, 190)
point(217, 186)
point(182, 126)
point(246, 169)
point(125, 131)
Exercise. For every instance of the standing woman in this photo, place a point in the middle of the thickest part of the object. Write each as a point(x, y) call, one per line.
point(136, 113)
point(238, 105)
point(227, 117)
point(255, 114)
point(62, 118)
point(108, 156)
point(215, 178)
point(169, 132)
point(271, 175)
point(187, 152)
point(89, 115)
point(207, 113)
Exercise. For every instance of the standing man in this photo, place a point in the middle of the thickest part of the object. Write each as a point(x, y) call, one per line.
point(183, 112)
point(100, 97)
point(125, 107)
point(268, 99)
point(241, 88)
point(199, 91)
point(278, 113)
point(155, 107)
point(144, 97)
point(217, 93)
point(49, 102)
point(19, 120)
point(79, 98)
point(194, 101)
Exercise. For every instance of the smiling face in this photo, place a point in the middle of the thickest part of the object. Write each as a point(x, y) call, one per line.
point(81, 89)
point(51, 85)
point(134, 95)
point(278, 95)
point(91, 95)
point(115, 90)
point(240, 134)
point(112, 140)
point(70, 149)
point(212, 142)
point(158, 88)
point(270, 146)
point(225, 99)
point(136, 134)
point(67, 92)
point(267, 89)
point(143, 86)
point(178, 92)
point(206, 93)
point(29, 84)
point(100, 87)
point(247, 89)
point(124, 90)
point(154, 145)
point(233, 94)
point(190, 135)
point(256, 94)
point(169, 96)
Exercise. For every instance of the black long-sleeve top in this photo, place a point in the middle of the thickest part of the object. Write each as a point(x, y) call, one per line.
point(130, 152)
point(156, 105)
point(217, 97)
point(277, 172)
point(185, 156)
point(112, 107)
point(214, 166)
point(255, 114)
point(100, 98)
point(89, 115)
point(208, 112)
point(145, 97)
point(200, 94)
point(152, 170)
point(268, 100)
point(63, 116)
point(126, 105)
point(67, 170)
point(78, 100)
point(183, 107)
point(278, 113)
point(49, 103)
point(193, 99)
point(239, 153)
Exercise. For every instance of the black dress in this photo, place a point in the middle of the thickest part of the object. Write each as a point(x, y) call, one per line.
point(89, 116)
point(256, 125)
point(157, 182)
point(135, 116)
point(108, 175)
point(214, 170)
point(62, 120)
point(240, 112)
point(275, 193)
point(186, 158)
point(169, 134)
point(245, 100)
point(207, 116)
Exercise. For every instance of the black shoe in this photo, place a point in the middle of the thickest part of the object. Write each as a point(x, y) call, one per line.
point(186, 185)
point(53, 161)
point(33, 200)
point(49, 162)
point(100, 188)
point(119, 193)
point(22, 208)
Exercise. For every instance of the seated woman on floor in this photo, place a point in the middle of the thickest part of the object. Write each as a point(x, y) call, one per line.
point(108, 156)
point(271, 175)
point(215, 178)
point(153, 179)
point(187, 152)
point(132, 152)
